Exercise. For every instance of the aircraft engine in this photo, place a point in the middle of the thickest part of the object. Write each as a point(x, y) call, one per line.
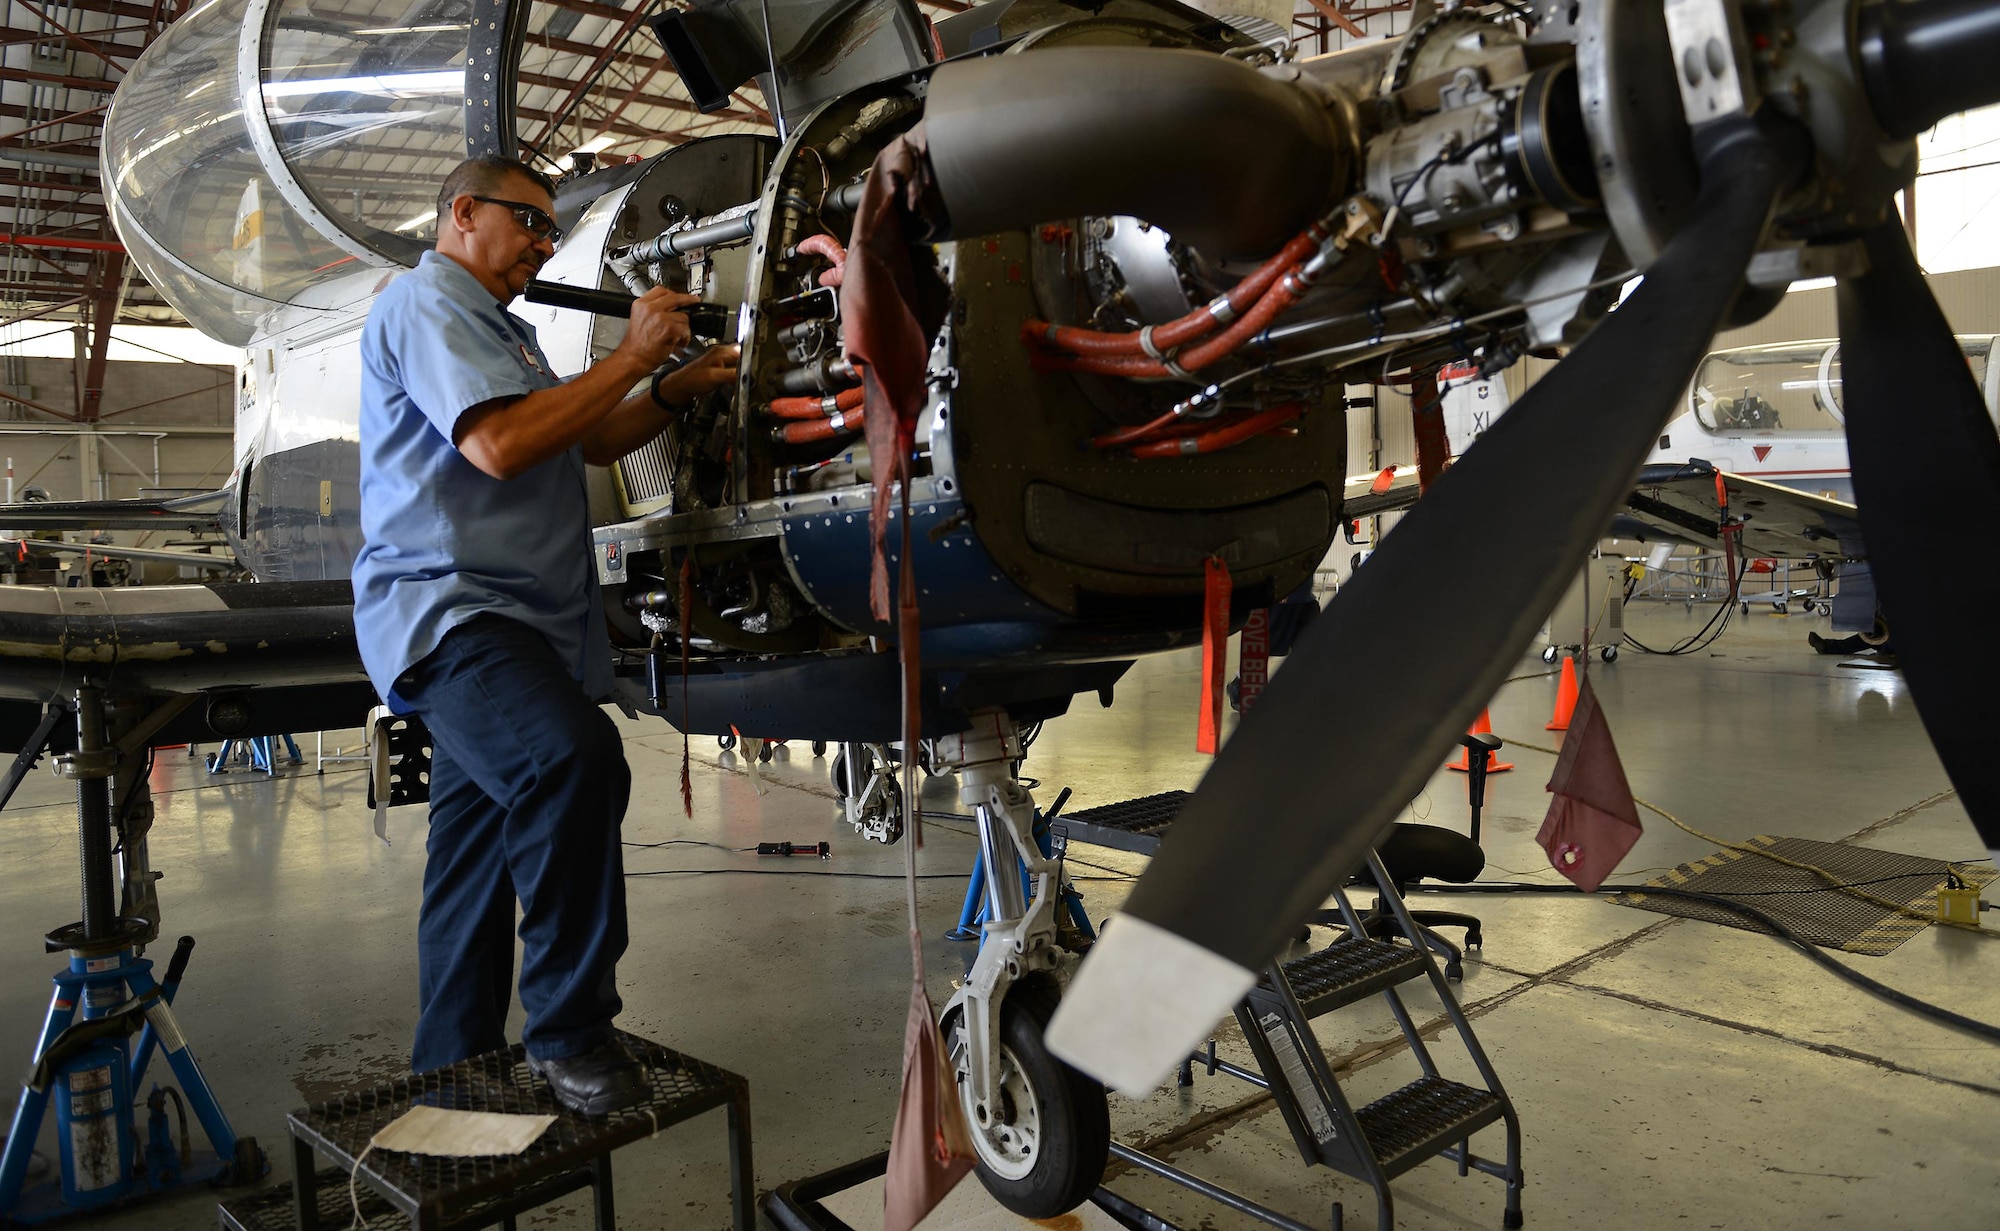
point(1168, 249)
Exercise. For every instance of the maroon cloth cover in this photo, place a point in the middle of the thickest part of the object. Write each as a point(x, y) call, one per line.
point(891, 302)
point(1592, 821)
point(930, 1148)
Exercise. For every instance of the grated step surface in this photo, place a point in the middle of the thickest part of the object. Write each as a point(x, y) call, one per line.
point(681, 1087)
point(1407, 1126)
point(1350, 969)
point(1137, 825)
point(271, 1209)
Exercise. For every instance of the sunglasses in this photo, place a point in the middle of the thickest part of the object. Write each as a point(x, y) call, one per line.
point(533, 219)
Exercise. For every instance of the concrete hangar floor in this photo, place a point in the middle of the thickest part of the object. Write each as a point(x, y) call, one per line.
point(1668, 1073)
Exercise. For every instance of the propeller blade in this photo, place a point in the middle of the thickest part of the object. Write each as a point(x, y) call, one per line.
point(1410, 650)
point(1926, 464)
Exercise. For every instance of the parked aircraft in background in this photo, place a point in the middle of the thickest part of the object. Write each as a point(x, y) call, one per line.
point(1769, 421)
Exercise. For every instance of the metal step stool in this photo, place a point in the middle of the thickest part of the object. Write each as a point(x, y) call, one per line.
point(424, 1193)
point(1431, 1117)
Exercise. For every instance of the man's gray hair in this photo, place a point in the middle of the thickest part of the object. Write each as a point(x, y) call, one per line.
point(484, 176)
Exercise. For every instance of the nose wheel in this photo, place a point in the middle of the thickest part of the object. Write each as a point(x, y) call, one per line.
point(1043, 1146)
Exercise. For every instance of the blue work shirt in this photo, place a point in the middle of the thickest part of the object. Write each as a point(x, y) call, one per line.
point(443, 540)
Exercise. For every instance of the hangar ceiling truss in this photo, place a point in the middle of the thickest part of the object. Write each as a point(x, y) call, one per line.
point(590, 75)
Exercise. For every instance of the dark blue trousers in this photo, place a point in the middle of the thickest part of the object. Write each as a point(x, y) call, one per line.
point(528, 789)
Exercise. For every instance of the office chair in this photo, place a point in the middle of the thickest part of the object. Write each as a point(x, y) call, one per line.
point(1413, 853)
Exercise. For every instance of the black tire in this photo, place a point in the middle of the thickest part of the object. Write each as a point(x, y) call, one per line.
point(1609, 653)
point(725, 742)
point(819, 747)
point(837, 770)
point(1550, 655)
point(764, 753)
point(1072, 1142)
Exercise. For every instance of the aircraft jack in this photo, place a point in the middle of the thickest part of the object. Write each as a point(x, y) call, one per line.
point(85, 1060)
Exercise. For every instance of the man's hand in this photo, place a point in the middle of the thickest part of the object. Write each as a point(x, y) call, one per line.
point(658, 327)
point(715, 368)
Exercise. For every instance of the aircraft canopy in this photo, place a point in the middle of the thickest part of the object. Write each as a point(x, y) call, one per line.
point(262, 150)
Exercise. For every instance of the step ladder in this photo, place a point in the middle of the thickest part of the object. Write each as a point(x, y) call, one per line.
point(1431, 1117)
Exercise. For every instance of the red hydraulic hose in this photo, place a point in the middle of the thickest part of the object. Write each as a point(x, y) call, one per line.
point(816, 408)
point(814, 430)
point(1123, 436)
point(1185, 329)
point(1223, 435)
point(1278, 299)
point(829, 247)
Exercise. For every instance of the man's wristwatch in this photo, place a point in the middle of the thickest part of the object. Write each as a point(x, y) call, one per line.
point(673, 408)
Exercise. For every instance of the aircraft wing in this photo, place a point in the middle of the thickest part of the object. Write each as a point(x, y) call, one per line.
point(1677, 503)
point(156, 555)
point(1391, 491)
point(191, 513)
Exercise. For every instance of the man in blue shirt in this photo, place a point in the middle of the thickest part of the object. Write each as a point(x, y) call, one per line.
point(476, 607)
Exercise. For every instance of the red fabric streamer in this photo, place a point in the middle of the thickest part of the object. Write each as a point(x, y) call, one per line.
point(1254, 669)
point(1214, 653)
point(1592, 821)
point(892, 304)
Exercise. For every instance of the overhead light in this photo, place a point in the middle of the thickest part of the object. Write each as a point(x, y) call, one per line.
point(417, 221)
point(598, 144)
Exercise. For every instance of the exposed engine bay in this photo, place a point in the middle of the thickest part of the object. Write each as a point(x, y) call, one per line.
point(1168, 249)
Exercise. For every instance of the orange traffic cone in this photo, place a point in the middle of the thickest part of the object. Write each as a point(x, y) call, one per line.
point(1482, 725)
point(1565, 697)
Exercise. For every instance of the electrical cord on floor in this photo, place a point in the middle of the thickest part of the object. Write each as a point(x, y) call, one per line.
point(1833, 882)
point(1694, 643)
point(1923, 1008)
point(648, 846)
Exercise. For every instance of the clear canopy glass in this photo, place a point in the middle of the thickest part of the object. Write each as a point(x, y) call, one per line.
point(366, 100)
point(1787, 386)
point(236, 205)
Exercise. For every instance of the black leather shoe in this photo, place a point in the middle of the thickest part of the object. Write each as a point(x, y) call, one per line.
point(596, 1082)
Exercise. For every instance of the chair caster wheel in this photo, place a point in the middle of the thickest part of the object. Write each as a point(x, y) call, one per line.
point(1455, 972)
point(1474, 940)
point(819, 747)
point(1511, 1220)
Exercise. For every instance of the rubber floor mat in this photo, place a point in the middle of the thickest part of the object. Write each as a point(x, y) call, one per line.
point(1807, 904)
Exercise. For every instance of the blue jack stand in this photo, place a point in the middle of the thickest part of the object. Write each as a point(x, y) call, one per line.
point(260, 749)
point(85, 1059)
point(976, 907)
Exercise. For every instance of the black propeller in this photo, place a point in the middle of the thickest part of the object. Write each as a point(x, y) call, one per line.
point(1926, 476)
point(1409, 651)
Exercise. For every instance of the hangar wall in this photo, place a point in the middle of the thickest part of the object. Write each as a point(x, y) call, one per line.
point(1970, 299)
point(190, 407)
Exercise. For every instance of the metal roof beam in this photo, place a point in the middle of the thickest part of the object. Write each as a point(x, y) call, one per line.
point(94, 85)
point(11, 177)
point(114, 8)
point(54, 207)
